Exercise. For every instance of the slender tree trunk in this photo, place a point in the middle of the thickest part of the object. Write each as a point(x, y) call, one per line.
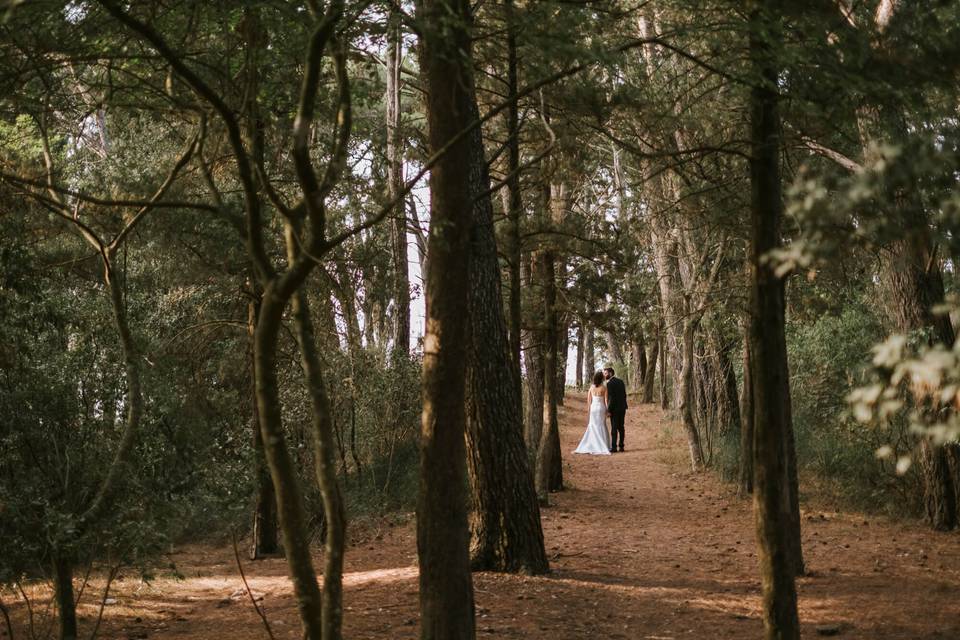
point(589, 354)
point(650, 376)
point(664, 398)
point(398, 223)
point(66, 604)
point(687, 398)
point(547, 479)
point(443, 537)
point(580, 340)
point(515, 194)
point(533, 362)
point(324, 446)
point(506, 534)
point(745, 482)
point(768, 354)
point(283, 470)
point(563, 349)
point(265, 542)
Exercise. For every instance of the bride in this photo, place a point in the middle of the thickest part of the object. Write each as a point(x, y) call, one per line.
point(596, 439)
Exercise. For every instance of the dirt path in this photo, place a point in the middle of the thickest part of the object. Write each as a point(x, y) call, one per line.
point(639, 548)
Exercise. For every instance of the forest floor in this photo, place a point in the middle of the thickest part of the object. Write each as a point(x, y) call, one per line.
point(639, 547)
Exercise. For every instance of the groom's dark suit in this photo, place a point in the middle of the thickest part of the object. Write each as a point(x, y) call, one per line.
point(617, 406)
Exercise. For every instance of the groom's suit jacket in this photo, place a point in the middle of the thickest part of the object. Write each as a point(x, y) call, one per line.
point(617, 392)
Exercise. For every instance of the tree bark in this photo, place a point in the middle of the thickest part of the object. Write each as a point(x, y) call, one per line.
point(324, 461)
point(616, 352)
point(549, 477)
point(515, 194)
point(638, 362)
point(913, 286)
point(664, 398)
point(265, 542)
point(589, 354)
point(443, 538)
point(687, 399)
point(578, 382)
point(563, 352)
point(649, 378)
point(398, 222)
point(506, 534)
point(745, 481)
point(768, 353)
point(533, 362)
point(66, 604)
point(290, 509)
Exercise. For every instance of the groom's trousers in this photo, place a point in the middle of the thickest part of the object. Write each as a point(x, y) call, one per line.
point(616, 428)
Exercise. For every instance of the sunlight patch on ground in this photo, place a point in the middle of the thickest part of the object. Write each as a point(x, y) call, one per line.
point(731, 604)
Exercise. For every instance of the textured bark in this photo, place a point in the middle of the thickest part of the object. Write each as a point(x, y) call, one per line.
point(398, 222)
point(771, 394)
point(443, 539)
point(506, 534)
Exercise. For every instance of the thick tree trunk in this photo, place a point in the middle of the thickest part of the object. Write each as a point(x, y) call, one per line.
point(443, 538)
point(66, 604)
point(768, 353)
point(506, 534)
point(398, 222)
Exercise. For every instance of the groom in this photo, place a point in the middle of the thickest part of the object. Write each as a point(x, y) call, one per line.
point(616, 407)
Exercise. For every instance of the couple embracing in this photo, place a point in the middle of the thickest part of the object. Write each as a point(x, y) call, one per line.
point(604, 399)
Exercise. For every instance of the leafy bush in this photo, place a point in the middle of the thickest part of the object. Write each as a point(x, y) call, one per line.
point(829, 356)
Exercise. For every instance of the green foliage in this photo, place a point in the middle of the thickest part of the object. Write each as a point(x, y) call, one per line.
point(828, 357)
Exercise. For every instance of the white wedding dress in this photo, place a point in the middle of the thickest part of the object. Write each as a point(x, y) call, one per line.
point(596, 440)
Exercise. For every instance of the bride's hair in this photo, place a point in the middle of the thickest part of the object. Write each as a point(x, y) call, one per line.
point(598, 378)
